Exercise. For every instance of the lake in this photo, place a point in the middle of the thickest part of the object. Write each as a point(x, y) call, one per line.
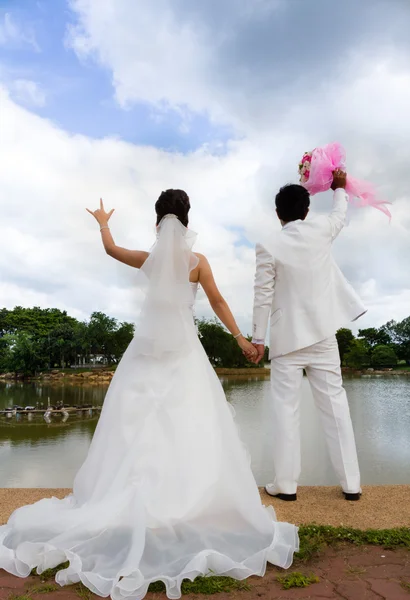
point(37, 454)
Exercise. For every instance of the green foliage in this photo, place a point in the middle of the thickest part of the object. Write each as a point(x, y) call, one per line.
point(314, 538)
point(45, 588)
point(393, 335)
point(50, 573)
point(120, 339)
point(297, 580)
point(34, 339)
point(357, 357)
point(400, 334)
point(375, 337)
point(344, 338)
point(205, 585)
point(83, 592)
point(220, 346)
point(384, 356)
point(34, 321)
point(23, 353)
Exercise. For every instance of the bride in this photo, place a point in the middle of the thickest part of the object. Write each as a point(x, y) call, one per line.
point(166, 491)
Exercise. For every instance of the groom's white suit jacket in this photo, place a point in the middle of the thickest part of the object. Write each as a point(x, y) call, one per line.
point(299, 285)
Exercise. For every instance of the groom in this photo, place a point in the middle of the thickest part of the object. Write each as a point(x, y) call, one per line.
point(300, 287)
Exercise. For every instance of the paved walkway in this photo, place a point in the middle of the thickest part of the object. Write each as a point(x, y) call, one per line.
point(347, 573)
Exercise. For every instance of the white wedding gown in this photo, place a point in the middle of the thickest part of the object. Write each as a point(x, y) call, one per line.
point(166, 491)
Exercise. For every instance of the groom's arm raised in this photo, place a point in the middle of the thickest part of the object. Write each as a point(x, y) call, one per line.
point(263, 296)
point(337, 218)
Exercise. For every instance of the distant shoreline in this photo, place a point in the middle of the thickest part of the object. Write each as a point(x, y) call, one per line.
point(100, 375)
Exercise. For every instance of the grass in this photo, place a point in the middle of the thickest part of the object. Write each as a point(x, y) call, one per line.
point(405, 586)
point(46, 588)
point(83, 592)
point(315, 538)
point(297, 580)
point(205, 585)
point(201, 585)
point(50, 573)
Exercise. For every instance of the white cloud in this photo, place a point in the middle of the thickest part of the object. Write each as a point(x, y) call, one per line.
point(51, 248)
point(28, 92)
point(158, 44)
point(15, 35)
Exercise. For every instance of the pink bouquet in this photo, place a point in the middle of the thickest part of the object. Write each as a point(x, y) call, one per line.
point(316, 175)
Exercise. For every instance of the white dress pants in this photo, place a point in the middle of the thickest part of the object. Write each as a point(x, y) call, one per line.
point(322, 365)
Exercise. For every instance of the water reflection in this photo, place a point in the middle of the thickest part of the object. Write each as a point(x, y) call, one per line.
point(34, 453)
point(380, 409)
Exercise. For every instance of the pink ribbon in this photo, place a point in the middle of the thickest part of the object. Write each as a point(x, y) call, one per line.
point(327, 159)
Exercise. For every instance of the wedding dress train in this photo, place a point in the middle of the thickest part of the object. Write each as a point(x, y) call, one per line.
point(166, 491)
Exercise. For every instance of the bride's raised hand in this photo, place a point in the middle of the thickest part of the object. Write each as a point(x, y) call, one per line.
point(101, 216)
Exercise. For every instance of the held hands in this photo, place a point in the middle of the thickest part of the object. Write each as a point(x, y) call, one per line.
point(248, 349)
point(339, 179)
point(260, 353)
point(100, 214)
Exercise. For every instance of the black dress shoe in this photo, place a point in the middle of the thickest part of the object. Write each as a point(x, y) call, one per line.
point(286, 497)
point(352, 497)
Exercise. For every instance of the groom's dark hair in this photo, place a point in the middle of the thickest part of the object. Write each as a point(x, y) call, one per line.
point(173, 202)
point(292, 202)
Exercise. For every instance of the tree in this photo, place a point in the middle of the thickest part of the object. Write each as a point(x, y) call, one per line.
point(25, 354)
point(357, 356)
point(61, 345)
point(121, 339)
point(400, 336)
point(375, 337)
point(384, 356)
point(344, 338)
point(34, 321)
point(36, 338)
point(81, 342)
point(5, 351)
point(99, 333)
point(216, 341)
point(402, 339)
point(221, 348)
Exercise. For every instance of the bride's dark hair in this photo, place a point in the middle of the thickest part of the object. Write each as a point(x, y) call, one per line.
point(173, 202)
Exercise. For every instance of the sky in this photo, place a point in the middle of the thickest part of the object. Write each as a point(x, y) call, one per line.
point(121, 99)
